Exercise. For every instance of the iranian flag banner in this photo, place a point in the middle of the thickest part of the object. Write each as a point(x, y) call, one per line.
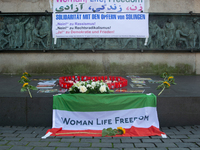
point(89, 114)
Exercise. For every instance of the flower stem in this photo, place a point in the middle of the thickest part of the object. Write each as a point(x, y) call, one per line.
point(29, 92)
point(161, 91)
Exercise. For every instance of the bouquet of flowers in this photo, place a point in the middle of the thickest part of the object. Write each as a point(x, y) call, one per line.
point(168, 79)
point(94, 87)
point(26, 86)
point(113, 132)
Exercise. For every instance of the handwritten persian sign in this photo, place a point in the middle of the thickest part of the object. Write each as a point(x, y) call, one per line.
point(98, 6)
point(100, 25)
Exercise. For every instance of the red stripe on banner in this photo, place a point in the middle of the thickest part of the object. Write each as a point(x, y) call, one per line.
point(133, 131)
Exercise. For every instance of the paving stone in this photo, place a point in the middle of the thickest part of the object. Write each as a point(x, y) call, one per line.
point(44, 148)
point(20, 128)
point(197, 132)
point(4, 147)
point(101, 145)
point(20, 143)
point(189, 145)
point(80, 144)
point(12, 138)
point(38, 143)
point(83, 137)
point(3, 142)
point(194, 148)
point(7, 131)
point(66, 148)
point(122, 145)
point(103, 138)
point(169, 133)
point(157, 137)
point(110, 141)
point(183, 132)
point(171, 140)
point(146, 145)
point(23, 132)
point(140, 137)
point(119, 137)
point(70, 140)
point(151, 140)
point(32, 139)
point(112, 149)
point(156, 148)
point(178, 149)
point(49, 140)
point(9, 135)
point(194, 136)
point(165, 145)
point(190, 140)
point(21, 148)
point(63, 137)
point(131, 140)
point(81, 148)
point(178, 136)
point(55, 144)
point(27, 135)
point(91, 140)
point(134, 148)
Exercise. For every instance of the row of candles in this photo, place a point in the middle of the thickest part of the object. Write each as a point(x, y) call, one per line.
point(112, 81)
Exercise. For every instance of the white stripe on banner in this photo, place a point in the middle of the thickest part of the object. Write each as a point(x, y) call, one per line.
point(140, 117)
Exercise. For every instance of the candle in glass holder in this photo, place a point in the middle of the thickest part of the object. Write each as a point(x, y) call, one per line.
point(116, 84)
point(70, 78)
point(112, 85)
point(102, 78)
point(109, 85)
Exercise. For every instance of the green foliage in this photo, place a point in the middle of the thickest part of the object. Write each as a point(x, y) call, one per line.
point(23, 89)
point(112, 132)
point(109, 132)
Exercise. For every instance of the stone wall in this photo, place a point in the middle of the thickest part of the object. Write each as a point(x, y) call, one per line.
point(101, 63)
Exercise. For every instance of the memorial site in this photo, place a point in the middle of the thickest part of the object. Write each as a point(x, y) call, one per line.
point(84, 75)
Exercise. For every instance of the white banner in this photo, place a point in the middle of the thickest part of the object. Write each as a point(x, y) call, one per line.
point(100, 25)
point(139, 117)
point(98, 6)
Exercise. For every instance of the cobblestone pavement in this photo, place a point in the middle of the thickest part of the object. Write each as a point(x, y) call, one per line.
point(29, 138)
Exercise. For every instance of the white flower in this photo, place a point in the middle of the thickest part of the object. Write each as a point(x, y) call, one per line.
point(93, 84)
point(77, 84)
point(88, 85)
point(102, 89)
point(70, 89)
point(83, 89)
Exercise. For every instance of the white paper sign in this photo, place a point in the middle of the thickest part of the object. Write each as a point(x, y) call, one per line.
point(100, 25)
point(98, 6)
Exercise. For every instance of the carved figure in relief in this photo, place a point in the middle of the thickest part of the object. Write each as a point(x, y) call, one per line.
point(196, 26)
point(153, 28)
point(19, 30)
point(98, 43)
point(37, 39)
point(44, 29)
point(180, 36)
point(2, 38)
point(161, 36)
point(29, 28)
point(192, 37)
point(124, 42)
point(11, 30)
point(169, 31)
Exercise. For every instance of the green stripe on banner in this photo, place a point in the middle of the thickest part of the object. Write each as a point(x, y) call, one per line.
point(102, 102)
